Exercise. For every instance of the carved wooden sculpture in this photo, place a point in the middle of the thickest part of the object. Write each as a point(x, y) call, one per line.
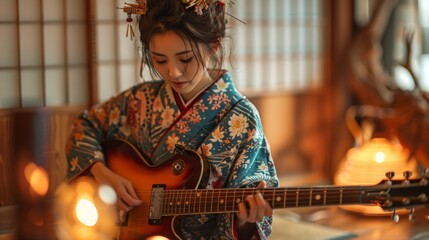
point(406, 111)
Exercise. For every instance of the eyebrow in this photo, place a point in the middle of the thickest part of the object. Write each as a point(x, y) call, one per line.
point(179, 53)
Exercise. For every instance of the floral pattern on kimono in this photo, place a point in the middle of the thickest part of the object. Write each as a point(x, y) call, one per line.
point(220, 124)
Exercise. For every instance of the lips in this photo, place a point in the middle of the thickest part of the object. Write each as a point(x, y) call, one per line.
point(179, 84)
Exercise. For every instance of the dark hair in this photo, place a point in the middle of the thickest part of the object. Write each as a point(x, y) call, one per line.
point(172, 15)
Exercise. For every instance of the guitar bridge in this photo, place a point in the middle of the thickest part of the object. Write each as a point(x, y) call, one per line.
point(156, 200)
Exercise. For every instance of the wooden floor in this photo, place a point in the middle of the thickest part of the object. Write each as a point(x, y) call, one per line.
point(355, 225)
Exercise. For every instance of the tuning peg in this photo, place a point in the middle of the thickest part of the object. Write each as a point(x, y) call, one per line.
point(411, 215)
point(390, 176)
point(407, 175)
point(425, 176)
point(395, 216)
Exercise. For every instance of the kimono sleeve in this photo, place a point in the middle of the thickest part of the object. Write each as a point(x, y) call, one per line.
point(93, 127)
point(251, 164)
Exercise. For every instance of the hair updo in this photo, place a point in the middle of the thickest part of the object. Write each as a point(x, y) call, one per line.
point(172, 15)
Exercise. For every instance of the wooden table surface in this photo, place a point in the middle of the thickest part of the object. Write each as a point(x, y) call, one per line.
point(363, 226)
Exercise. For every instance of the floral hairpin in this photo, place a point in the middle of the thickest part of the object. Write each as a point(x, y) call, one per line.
point(140, 8)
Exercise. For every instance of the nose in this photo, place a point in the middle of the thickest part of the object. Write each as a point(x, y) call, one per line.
point(174, 71)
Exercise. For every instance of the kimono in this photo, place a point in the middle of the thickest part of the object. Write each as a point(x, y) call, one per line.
point(220, 124)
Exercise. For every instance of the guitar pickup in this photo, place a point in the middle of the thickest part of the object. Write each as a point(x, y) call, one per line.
point(156, 200)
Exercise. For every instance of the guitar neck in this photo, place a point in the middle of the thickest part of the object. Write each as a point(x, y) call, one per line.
point(196, 201)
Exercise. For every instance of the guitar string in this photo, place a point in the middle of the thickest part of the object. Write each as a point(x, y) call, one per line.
point(182, 200)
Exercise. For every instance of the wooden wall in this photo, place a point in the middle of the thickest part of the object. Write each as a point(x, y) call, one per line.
point(37, 135)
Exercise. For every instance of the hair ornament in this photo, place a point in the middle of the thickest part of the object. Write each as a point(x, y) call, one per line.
point(199, 5)
point(140, 8)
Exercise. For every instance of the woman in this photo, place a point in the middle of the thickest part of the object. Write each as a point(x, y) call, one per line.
point(194, 105)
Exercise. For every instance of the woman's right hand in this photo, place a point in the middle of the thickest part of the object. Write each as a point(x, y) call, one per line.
point(126, 196)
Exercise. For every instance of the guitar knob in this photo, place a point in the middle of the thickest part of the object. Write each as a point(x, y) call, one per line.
point(395, 216)
point(411, 216)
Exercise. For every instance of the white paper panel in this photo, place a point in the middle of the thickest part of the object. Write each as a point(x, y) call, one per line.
point(106, 9)
point(75, 9)
point(54, 44)
point(127, 76)
point(55, 87)
point(29, 10)
point(106, 82)
point(105, 42)
point(32, 88)
point(30, 44)
point(128, 49)
point(9, 91)
point(53, 10)
point(7, 10)
point(77, 51)
point(9, 45)
point(78, 86)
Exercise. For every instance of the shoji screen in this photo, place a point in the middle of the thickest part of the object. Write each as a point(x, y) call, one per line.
point(43, 53)
point(118, 60)
point(280, 48)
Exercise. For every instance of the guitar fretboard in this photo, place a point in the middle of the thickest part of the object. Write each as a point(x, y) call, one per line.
point(195, 201)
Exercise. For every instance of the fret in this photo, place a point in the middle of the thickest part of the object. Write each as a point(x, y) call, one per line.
point(226, 199)
point(284, 198)
point(174, 202)
point(211, 200)
point(180, 202)
point(290, 198)
point(194, 200)
point(220, 200)
point(324, 196)
point(205, 197)
point(233, 199)
point(297, 197)
point(273, 196)
point(170, 203)
point(316, 196)
point(199, 196)
point(186, 202)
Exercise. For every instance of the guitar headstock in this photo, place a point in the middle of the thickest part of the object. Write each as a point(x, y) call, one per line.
point(392, 195)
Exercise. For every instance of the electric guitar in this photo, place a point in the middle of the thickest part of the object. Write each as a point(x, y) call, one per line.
point(174, 189)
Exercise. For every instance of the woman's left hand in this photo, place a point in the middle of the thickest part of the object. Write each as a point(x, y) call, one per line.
point(258, 208)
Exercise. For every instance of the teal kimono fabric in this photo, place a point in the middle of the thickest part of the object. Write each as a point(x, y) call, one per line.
point(220, 124)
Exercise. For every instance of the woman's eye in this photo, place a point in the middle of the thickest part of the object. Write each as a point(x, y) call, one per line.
point(160, 62)
point(187, 60)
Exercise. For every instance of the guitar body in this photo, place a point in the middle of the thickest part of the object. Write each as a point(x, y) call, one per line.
point(186, 170)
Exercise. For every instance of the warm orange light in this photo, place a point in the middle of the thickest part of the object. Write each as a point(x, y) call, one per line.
point(367, 165)
point(37, 177)
point(86, 212)
point(157, 238)
point(82, 213)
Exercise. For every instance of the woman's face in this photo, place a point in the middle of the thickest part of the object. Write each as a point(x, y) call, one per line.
point(174, 60)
